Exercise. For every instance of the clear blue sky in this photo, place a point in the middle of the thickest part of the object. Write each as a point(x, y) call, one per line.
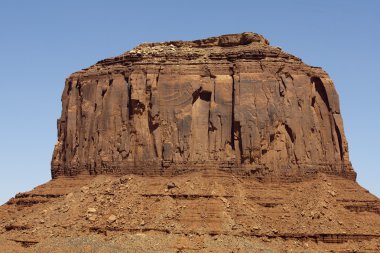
point(42, 42)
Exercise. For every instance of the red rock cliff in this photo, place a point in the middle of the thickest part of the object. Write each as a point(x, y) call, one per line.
point(230, 102)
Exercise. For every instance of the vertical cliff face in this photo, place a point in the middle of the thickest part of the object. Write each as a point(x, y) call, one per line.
point(231, 102)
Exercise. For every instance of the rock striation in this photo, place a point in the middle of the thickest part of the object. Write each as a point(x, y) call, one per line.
point(195, 212)
point(231, 102)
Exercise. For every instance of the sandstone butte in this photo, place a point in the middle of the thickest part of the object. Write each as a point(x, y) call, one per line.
point(224, 144)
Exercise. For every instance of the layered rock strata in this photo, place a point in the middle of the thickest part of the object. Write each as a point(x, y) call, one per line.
point(231, 102)
point(197, 212)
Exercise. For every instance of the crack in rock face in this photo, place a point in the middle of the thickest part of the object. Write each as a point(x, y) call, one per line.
point(231, 102)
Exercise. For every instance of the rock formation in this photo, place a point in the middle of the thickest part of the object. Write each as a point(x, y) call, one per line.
point(197, 212)
point(227, 145)
point(231, 102)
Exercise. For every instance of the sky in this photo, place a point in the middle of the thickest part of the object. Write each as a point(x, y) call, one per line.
point(43, 42)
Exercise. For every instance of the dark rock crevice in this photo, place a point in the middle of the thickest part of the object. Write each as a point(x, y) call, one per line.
point(232, 74)
point(130, 105)
point(340, 141)
point(320, 88)
point(290, 132)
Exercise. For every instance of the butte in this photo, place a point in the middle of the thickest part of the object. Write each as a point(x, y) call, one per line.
point(224, 144)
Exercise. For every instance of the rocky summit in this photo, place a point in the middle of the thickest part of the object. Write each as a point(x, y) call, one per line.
point(224, 144)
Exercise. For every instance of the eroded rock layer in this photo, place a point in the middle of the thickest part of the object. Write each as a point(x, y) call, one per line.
point(198, 212)
point(231, 102)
